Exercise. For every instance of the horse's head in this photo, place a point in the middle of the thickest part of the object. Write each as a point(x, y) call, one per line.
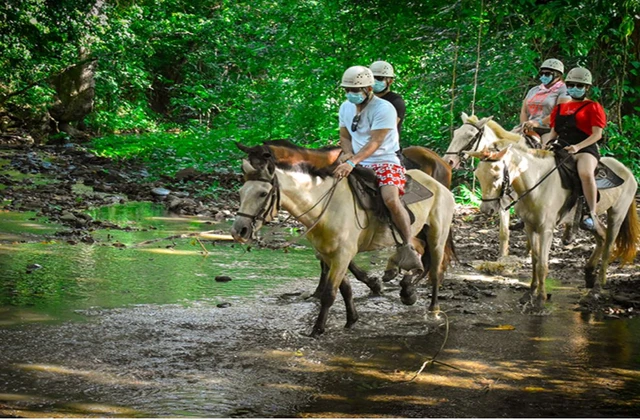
point(469, 137)
point(259, 196)
point(493, 174)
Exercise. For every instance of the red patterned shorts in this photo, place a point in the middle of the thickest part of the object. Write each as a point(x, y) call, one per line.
point(390, 174)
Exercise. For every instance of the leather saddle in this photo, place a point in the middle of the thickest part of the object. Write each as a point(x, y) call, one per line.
point(567, 168)
point(364, 184)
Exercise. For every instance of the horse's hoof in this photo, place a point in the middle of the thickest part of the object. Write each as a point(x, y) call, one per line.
point(536, 309)
point(408, 296)
point(351, 323)
point(390, 274)
point(526, 298)
point(316, 332)
point(376, 287)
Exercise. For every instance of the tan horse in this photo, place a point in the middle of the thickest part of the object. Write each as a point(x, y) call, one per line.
point(338, 228)
point(415, 157)
point(475, 135)
point(542, 206)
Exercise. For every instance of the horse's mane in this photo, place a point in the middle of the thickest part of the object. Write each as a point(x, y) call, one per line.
point(289, 145)
point(501, 133)
point(537, 153)
point(316, 162)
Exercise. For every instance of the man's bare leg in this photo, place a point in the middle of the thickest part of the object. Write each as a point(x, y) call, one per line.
point(406, 256)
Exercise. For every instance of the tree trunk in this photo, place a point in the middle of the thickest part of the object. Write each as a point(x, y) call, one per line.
point(75, 87)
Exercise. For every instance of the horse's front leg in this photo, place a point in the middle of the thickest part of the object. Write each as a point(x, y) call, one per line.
point(533, 239)
point(336, 276)
point(541, 268)
point(374, 283)
point(324, 273)
point(503, 235)
point(347, 295)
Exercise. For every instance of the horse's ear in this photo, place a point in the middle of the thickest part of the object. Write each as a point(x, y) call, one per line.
point(485, 120)
point(480, 154)
point(464, 117)
point(242, 147)
point(499, 155)
point(246, 166)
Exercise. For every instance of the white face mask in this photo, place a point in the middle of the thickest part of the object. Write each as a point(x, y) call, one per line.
point(355, 97)
point(379, 86)
point(576, 92)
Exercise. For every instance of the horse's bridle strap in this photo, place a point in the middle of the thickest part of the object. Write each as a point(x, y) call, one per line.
point(472, 144)
point(504, 188)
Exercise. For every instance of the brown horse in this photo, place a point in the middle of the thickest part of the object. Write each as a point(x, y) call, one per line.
point(415, 157)
point(335, 227)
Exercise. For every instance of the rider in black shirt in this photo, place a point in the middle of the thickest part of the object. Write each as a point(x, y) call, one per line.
point(384, 76)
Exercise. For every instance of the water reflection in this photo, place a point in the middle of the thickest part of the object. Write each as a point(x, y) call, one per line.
point(157, 262)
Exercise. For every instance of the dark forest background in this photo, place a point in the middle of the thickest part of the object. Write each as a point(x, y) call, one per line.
point(177, 82)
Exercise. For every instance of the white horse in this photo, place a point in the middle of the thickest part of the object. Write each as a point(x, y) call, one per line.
point(542, 204)
point(475, 135)
point(338, 227)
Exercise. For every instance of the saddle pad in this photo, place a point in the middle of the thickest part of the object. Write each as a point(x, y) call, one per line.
point(605, 177)
point(415, 191)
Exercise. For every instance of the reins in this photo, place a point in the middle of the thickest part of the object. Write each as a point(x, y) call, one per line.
point(506, 180)
point(273, 201)
point(329, 193)
point(513, 203)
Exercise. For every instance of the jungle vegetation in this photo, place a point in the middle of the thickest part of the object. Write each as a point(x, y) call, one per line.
point(177, 82)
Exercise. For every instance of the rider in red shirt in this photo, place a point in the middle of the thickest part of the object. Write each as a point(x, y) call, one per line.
point(577, 125)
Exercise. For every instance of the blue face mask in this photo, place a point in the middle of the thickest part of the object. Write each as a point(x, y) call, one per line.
point(576, 92)
point(355, 97)
point(379, 86)
point(546, 79)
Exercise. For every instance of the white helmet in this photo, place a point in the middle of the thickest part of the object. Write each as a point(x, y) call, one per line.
point(357, 76)
point(579, 75)
point(382, 68)
point(553, 64)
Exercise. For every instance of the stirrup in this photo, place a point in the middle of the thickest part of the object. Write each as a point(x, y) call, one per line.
point(588, 224)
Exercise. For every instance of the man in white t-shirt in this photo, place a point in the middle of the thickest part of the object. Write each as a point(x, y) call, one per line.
point(369, 136)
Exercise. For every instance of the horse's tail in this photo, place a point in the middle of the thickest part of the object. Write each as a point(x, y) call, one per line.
point(627, 240)
point(449, 252)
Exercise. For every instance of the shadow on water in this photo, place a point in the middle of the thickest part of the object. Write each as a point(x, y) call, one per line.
point(135, 325)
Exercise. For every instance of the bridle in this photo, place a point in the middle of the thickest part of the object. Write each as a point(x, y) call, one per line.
point(272, 202)
point(472, 145)
point(505, 188)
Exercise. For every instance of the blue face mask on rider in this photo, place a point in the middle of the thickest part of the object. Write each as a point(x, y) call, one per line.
point(355, 97)
point(379, 86)
point(577, 92)
point(546, 79)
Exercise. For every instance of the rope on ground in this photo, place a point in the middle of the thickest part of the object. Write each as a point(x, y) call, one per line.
point(432, 360)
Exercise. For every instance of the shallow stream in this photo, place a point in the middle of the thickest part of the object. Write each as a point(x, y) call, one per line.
point(136, 325)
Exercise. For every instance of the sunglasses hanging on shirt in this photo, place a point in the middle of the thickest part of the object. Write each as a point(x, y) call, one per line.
point(354, 123)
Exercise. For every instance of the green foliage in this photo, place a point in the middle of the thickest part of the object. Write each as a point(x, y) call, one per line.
point(466, 196)
point(184, 80)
